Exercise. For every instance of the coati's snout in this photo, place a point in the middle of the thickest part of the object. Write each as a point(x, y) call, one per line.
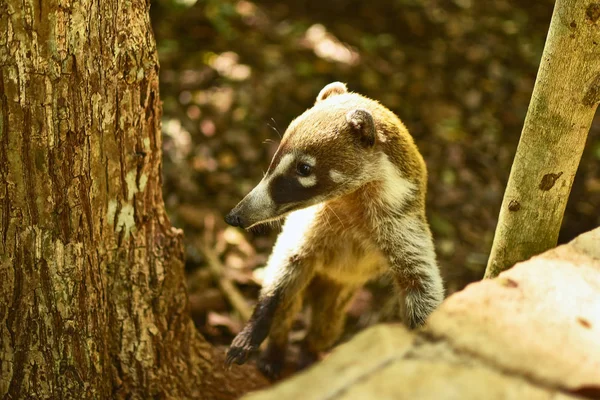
point(255, 208)
point(325, 153)
point(234, 219)
point(290, 185)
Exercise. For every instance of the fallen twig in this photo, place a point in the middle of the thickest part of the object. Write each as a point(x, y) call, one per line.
point(233, 295)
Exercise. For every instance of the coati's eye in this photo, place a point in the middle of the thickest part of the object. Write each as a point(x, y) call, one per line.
point(303, 169)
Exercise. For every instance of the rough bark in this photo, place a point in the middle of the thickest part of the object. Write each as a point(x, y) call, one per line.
point(92, 292)
point(564, 100)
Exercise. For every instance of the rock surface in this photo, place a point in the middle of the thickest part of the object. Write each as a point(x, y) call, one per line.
point(531, 333)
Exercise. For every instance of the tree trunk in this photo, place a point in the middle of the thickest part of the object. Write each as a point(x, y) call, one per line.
point(93, 302)
point(564, 100)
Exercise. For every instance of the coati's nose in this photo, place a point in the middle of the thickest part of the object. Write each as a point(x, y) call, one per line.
point(233, 219)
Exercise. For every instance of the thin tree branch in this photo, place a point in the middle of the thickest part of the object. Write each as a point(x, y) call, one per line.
point(563, 104)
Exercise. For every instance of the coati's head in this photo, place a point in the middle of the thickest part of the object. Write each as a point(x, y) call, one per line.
point(324, 154)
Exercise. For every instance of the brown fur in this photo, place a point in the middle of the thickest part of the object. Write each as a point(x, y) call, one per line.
point(359, 214)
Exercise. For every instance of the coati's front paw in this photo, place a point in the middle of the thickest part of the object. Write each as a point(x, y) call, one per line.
point(272, 361)
point(271, 367)
point(241, 348)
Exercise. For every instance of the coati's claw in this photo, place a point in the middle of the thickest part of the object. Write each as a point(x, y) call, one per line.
point(237, 355)
point(240, 350)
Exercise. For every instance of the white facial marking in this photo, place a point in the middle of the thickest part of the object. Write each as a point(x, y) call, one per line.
point(283, 165)
point(308, 181)
point(336, 176)
point(308, 159)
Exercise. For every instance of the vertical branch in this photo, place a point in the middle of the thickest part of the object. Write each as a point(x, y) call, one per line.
point(564, 100)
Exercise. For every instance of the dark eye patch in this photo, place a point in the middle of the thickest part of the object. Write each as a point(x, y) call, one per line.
point(287, 189)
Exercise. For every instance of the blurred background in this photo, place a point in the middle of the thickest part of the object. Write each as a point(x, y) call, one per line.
point(459, 73)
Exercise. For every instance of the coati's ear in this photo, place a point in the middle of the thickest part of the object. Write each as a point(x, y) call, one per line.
point(332, 89)
point(362, 124)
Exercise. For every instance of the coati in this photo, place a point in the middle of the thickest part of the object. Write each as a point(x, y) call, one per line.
point(351, 183)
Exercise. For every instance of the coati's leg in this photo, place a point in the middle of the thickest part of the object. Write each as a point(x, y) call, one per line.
point(408, 245)
point(328, 302)
point(272, 360)
point(286, 278)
